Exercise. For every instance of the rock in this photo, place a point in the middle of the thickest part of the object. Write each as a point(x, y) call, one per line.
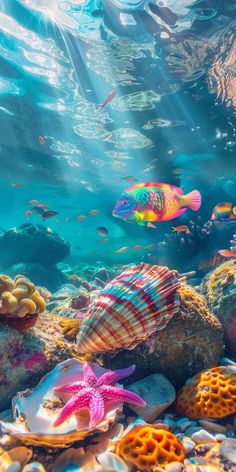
point(27, 356)
point(202, 437)
point(228, 450)
point(174, 467)
point(157, 392)
point(213, 426)
point(184, 423)
point(179, 350)
point(191, 430)
point(188, 444)
point(170, 423)
point(32, 243)
point(219, 288)
point(49, 277)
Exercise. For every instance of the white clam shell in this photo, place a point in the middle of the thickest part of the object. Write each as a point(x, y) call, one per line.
point(36, 410)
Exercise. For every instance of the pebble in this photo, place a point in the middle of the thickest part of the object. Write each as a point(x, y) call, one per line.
point(220, 437)
point(188, 444)
point(213, 426)
point(202, 436)
point(174, 467)
point(158, 393)
point(170, 424)
point(14, 467)
point(228, 450)
point(184, 423)
point(34, 467)
point(191, 430)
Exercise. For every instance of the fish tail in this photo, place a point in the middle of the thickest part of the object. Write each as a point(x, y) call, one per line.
point(174, 230)
point(192, 200)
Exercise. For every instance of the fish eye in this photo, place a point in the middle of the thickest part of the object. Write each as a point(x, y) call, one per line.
point(124, 202)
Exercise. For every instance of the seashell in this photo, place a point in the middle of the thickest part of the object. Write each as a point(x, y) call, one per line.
point(36, 410)
point(132, 306)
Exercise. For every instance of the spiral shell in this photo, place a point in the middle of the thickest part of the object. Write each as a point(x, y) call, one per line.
point(132, 306)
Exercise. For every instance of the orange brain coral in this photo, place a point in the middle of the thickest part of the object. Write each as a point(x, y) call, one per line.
point(147, 447)
point(212, 394)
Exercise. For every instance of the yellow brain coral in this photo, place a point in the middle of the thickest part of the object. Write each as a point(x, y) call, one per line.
point(212, 394)
point(19, 299)
point(147, 447)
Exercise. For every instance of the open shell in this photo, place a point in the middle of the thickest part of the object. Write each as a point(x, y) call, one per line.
point(138, 302)
point(36, 410)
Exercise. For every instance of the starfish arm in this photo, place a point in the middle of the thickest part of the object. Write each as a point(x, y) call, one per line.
point(112, 377)
point(96, 408)
point(76, 403)
point(89, 376)
point(115, 394)
point(70, 388)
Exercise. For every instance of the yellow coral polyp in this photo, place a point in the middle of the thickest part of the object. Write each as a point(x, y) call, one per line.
point(19, 297)
point(147, 448)
point(6, 283)
point(211, 393)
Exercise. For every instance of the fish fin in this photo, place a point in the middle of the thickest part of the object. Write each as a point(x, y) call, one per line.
point(151, 225)
point(192, 200)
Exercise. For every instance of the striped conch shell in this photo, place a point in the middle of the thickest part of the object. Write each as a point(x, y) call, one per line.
point(128, 309)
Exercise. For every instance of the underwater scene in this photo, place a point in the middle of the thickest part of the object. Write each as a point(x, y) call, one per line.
point(118, 236)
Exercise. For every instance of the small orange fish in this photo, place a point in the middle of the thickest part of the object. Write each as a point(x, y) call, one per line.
point(227, 253)
point(212, 262)
point(137, 247)
point(129, 178)
point(37, 203)
point(16, 184)
point(28, 213)
point(109, 98)
point(150, 247)
point(81, 218)
point(181, 229)
point(104, 240)
point(94, 212)
point(122, 250)
point(42, 140)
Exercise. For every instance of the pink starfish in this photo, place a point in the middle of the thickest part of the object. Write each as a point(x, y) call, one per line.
point(95, 392)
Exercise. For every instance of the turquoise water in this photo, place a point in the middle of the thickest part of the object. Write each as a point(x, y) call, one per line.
point(172, 119)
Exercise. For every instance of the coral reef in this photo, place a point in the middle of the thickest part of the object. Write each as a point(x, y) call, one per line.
point(20, 302)
point(146, 447)
point(27, 355)
point(190, 249)
point(36, 412)
point(211, 394)
point(180, 350)
point(219, 288)
point(141, 300)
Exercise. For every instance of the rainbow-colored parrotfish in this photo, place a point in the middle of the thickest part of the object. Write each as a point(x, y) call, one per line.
point(154, 201)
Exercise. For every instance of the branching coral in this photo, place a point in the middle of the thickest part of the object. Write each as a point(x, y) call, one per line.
point(147, 447)
point(195, 245)
point(211, 394)
point(20, 302)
